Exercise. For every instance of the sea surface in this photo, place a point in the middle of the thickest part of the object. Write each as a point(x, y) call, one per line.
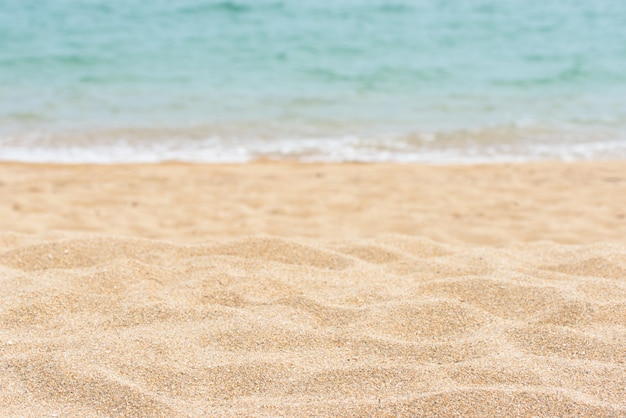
point(434, 81)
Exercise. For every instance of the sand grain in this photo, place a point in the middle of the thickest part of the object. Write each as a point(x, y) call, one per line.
point(313, 290)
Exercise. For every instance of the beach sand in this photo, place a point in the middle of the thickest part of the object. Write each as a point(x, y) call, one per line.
point(280, 289)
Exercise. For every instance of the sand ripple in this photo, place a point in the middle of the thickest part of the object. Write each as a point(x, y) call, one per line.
point(395, 326)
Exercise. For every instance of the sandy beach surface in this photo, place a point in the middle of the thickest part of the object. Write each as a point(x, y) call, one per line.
point(280, 289)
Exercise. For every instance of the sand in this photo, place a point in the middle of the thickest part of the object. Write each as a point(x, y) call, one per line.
point(279, 289)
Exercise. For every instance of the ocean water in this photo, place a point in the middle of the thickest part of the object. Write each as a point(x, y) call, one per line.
point(433, 81)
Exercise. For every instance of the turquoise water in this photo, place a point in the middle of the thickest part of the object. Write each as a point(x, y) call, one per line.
point(369, 80)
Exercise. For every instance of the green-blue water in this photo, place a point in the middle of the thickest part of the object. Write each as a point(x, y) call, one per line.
point(395, 80)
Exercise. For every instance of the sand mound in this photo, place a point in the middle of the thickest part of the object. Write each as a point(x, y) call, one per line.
point(313, 290)
point(393, 326)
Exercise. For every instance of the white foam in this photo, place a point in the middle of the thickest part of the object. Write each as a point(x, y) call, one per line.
point(477, 146)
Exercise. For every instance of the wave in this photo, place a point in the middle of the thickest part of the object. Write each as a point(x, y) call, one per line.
point(215, 144)
point(228, 7)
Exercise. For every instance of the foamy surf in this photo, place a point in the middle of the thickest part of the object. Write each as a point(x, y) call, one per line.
point(209, 145)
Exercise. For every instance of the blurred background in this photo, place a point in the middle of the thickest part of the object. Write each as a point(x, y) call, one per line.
point(343, 80)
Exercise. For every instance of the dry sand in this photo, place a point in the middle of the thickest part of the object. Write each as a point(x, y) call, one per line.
point(313, 290)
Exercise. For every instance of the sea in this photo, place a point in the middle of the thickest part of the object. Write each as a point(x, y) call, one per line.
point(229, 81)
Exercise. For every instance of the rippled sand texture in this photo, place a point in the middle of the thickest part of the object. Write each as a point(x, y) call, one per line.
point(94, 324)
